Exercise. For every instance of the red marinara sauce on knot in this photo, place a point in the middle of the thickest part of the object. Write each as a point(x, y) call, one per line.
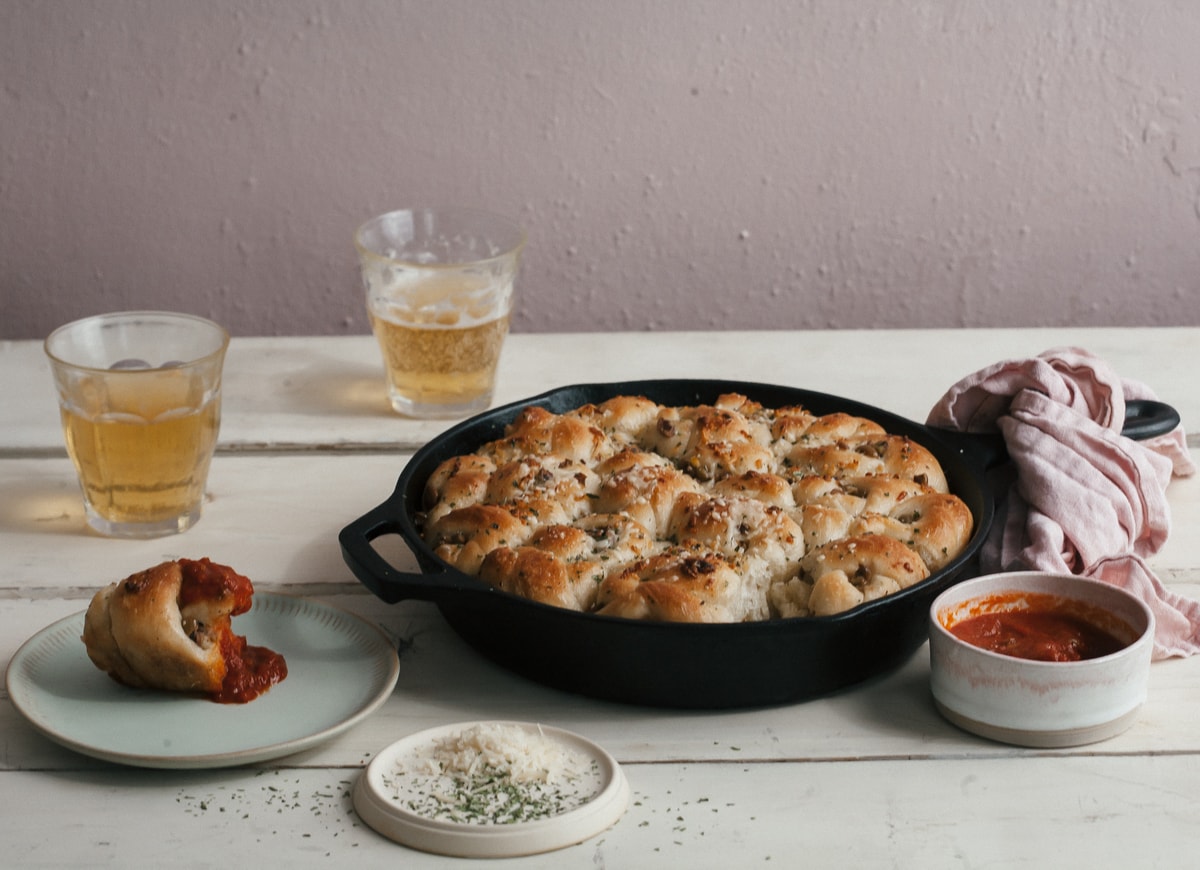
point(249, 670)
point(205, 580)
point(1039, 627)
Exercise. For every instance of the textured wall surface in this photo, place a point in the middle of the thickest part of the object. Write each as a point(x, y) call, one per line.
point(677, 163)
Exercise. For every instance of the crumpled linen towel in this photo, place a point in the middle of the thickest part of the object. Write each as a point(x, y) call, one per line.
point(1086, 500)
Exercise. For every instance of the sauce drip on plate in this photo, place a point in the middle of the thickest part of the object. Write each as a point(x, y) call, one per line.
point(250, 670)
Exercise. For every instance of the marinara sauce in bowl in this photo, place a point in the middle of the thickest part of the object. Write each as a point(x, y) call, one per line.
point(1039, 659)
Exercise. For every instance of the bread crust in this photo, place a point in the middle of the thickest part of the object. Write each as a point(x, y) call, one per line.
point(163, 628)
point(726, 512)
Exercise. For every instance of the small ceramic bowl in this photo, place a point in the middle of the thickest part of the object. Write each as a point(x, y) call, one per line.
point(1037, 703)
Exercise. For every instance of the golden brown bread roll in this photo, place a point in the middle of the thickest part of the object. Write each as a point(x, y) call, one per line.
point(645, 487)
point(723, 512)
point(538, 432)
point(850, 571)
point(169, 627)
point(709, 442)
point(741, 529)
point(564, 565)
point(935, 525)
point(457, 483)
point(624, 419)
point(677, 587)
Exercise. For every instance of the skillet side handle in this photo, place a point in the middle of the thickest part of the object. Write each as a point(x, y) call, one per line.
point(1145, 419)
point(375, 572)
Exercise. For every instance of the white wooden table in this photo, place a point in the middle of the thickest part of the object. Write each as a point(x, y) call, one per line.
point(869, 777)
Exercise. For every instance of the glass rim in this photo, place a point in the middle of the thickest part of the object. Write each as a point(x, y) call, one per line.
point(113, 316)
point(510, 251)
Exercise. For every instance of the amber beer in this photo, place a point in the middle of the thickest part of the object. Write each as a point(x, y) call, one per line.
point(142, 449)
point(140, 397)
point(440, 363)
point(439, 287)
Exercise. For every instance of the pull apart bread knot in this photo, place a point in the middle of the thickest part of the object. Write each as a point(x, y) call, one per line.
point(714, 513)
point(170, 628)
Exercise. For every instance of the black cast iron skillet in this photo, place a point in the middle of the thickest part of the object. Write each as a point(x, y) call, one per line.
point(708, 666)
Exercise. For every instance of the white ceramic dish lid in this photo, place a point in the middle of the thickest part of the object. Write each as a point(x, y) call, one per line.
point(388, 788)
point(332, 655)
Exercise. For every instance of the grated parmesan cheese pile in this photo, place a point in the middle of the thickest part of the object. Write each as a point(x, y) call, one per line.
point(508, 749)
point(496, 773)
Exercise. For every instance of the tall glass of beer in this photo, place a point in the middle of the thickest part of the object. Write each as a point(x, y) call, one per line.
point(140, 398)
point(439, 286)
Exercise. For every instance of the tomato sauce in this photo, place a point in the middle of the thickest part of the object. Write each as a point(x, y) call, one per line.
point(204, 580)
point(1043, 632)
point(249, 670)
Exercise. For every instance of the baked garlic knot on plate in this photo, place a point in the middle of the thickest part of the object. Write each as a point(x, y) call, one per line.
point(714, 513)
point(170, 627)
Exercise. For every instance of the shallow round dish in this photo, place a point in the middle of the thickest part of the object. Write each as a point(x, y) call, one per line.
point(1040, 703)
point(393, 796)
point(343, 662)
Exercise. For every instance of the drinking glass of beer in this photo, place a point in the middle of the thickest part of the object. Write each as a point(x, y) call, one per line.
point(140, 397)
point(439, 285)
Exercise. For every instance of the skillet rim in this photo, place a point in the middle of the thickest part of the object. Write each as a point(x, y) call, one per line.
point(961, 449)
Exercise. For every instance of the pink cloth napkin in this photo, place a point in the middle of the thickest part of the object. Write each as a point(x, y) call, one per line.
point(1087, 500)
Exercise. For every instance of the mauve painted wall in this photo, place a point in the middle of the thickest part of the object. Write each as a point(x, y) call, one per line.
point(677, 164)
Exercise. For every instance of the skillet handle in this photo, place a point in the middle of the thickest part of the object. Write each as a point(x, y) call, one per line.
point(378, 575)
point(1146, 419)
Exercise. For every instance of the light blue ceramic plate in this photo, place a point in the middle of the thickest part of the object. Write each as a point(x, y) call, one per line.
point(340, 670)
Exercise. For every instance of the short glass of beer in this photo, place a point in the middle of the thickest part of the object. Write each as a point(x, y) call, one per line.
point(439, 286)
point(140, 398)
